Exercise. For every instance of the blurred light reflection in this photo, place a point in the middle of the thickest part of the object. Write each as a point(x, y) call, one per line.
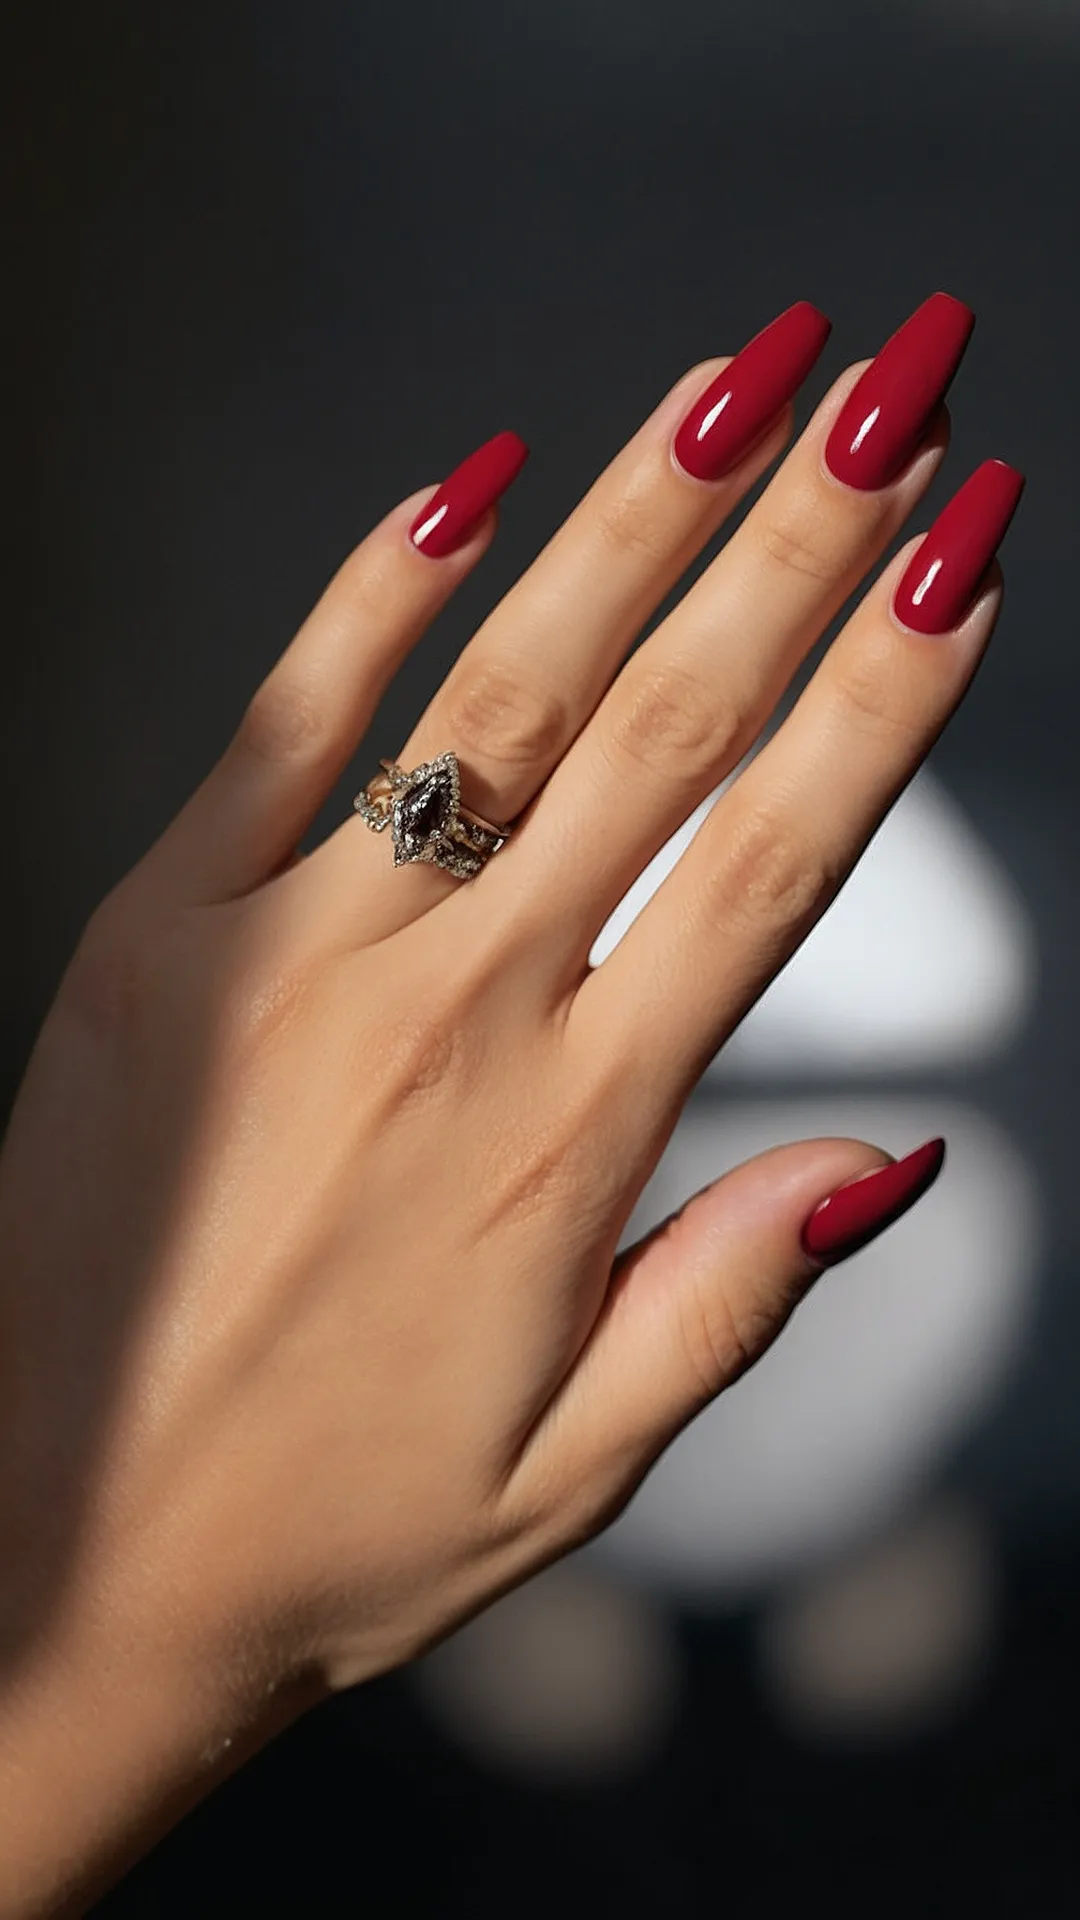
point(574, 1674)
point(891, 1637)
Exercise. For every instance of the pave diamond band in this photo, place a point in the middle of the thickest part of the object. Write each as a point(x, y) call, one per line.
point(428, 820)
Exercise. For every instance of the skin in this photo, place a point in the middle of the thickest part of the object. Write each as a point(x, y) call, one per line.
point(313, 1338)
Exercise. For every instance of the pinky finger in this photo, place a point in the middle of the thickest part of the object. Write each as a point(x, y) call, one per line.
point(306, 719)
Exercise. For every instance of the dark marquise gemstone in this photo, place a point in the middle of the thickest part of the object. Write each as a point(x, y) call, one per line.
point(425, 809)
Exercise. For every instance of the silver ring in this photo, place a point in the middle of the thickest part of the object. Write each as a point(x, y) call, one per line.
point(428, 820)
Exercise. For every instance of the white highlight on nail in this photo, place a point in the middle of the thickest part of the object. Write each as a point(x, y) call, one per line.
point(864, 429)
point(429, 525)
point(924, 586)
point(713, 416)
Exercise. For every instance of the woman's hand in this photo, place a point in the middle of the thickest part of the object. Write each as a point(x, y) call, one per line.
point(313, 1335)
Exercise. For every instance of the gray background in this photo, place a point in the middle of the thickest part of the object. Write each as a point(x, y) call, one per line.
point(273, 268)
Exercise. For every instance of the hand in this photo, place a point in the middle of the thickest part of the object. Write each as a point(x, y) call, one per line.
point(314, 1337)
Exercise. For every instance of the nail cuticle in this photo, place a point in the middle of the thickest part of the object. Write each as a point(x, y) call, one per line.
point(712, 480)
point(843, 486)
point(953, 632)
point(694, 479)
point(925, 448)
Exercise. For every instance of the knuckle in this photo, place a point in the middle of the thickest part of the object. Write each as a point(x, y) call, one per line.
point(798, 542)
point(496, 715)
point(534, 1178)
point(283, 721)
point(716, 1348)
point(129, 960)
point(769, 875)
point(722, 1336)
point(869, 698)
point(416, 1055)
point(365, 583)
point(629, 526)
point(558, 1160)
point(670, 721)
point(725, 1331)
point(143, 972)
point(105, 971)
point(258, 1006)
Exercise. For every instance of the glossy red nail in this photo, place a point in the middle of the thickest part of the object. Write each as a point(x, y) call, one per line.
point(887, 411)
point(940, 581)
point(445, 522)
point(858, 1212)
point(735, 409)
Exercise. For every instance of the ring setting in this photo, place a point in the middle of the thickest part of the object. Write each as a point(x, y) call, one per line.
point(423, 808)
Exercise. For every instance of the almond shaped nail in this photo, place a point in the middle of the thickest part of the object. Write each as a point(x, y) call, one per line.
point(445, 522)
point(858, 1212)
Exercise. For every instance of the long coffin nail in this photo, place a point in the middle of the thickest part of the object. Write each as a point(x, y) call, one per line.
point(858, 1212)
point(886, 413)
point(735, 409)
point(445, 522)
point(940, 580)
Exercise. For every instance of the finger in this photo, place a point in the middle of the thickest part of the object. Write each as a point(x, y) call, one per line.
point(304, 722)
point(696, 1302)
point(690, 703)
point(526, 683)
point(778, 845)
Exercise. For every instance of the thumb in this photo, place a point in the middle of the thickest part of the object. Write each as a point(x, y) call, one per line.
point(695, 1302)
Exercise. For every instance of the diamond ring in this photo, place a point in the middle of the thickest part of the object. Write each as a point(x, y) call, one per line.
point(428, 820)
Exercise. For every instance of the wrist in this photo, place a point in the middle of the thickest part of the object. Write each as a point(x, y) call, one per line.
point(115, 1719)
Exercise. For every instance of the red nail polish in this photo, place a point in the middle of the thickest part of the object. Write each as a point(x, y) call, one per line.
point(448, 518)
point(855, 1214)
point(940, 580)
point(888, 409)
point(734, 410)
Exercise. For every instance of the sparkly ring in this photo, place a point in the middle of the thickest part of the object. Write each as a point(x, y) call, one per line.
point(424, 808)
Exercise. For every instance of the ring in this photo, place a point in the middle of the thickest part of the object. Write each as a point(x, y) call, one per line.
point(429, 822)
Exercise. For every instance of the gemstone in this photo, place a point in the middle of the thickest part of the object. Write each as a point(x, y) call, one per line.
point(421, 814)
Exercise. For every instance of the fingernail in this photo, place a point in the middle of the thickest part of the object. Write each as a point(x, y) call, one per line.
point(940, 580)
point(887, 411)
point(733, 412)
point(858, 1212)
point(445, 522)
